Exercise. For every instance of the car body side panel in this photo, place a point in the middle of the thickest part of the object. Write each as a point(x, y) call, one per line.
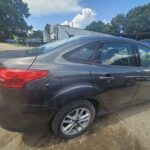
point(67, 82)
point(39, 100)
point(121, 89)
point(143, 93)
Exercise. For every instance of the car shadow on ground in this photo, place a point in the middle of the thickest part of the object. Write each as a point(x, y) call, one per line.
point(107, 131)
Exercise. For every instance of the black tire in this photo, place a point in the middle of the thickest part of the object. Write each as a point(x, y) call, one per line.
point(57, 121)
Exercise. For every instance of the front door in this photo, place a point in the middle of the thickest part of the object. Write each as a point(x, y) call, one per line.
point(143, 93)
point(115, 75)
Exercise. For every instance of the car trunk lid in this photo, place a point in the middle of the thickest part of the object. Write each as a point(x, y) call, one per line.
point(16, 59)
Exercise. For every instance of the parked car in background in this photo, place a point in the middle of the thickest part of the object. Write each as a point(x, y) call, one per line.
point(146, 41)
point(10, 41)
point(34, 42)
point(65, 85)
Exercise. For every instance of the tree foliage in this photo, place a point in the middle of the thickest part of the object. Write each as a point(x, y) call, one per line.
point(135, 21)
point(138, 19)
point(96, 26)
point(118, 23)
point(36, 34)
point(12, 18)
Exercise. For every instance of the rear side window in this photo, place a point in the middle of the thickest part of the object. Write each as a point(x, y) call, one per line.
point(119, 54)
point(144, 53)
point(82, 54)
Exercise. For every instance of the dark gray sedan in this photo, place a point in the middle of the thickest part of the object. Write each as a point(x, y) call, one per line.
point(64, 85)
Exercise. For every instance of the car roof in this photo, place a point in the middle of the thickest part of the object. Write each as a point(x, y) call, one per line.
point(146, 40)
point(79, 41)
point(107, 38)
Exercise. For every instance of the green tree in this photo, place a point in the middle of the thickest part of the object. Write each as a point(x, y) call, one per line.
point(109, 29)
point(12, 18)
point(96, 26)
point(118, 24)
point(37, 34)
point(138, 19)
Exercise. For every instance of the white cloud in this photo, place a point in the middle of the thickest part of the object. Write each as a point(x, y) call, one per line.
point(66, 23)
point(81, 20)
point(44, 7)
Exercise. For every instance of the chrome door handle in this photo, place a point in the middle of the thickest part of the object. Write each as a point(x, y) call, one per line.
point(106, 78)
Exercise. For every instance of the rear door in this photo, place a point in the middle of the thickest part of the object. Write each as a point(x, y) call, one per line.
point(115, 74)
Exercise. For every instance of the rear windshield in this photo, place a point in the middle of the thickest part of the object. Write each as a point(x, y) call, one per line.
point(51, 46)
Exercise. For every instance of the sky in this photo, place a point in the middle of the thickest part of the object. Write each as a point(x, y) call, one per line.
point(76, 13)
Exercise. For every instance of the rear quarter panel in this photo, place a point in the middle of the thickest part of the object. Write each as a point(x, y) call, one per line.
point(67, 81)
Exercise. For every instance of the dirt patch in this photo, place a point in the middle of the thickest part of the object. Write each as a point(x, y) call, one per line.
point(4, 47)
point(108, 133)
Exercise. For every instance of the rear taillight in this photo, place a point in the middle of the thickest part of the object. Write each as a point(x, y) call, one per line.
point(17, 78)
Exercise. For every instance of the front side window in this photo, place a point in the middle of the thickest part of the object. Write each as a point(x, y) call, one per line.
point(82, 54)
point(119, 54)
point(144, 53)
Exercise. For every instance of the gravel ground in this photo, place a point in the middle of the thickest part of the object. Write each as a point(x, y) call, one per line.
point(4, 46)
point(128, 129)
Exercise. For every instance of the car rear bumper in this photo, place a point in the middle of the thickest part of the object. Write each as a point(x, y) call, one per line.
point(25, 109)
point(27, 119)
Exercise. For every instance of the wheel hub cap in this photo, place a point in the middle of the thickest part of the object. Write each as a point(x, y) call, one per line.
point(76, 121)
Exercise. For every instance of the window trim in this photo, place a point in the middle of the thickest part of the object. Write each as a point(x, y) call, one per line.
point(135, 64)
point(66, 56)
